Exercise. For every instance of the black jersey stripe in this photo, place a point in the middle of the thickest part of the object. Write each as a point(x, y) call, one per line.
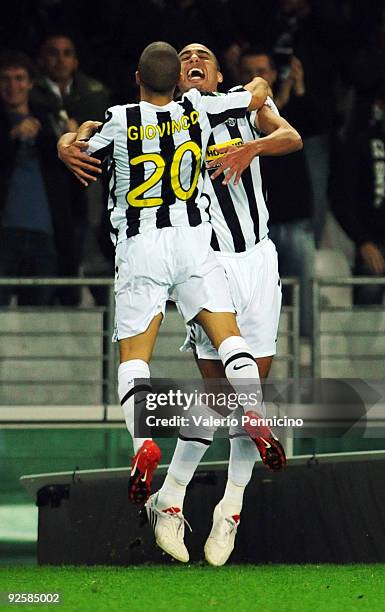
point(195, 133)
point(228, 210)
point(134, 148)
point(234, 113)
point(247, 181)
point(108, 118)
point(214, 242)
point(111, 173)
point(167, 149)
point(112, 187)
point(107, 150)
point(209, 93)
point(252, 126)
point(104, 152)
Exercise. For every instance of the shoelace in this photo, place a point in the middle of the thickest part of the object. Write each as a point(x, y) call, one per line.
point(182, 520)
point(233, 525)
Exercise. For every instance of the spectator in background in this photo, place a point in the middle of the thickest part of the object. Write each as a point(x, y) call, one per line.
point(36, 223)
point(358, 196)
point(66, 92)
point(63, 88)
point(286, 179)
point(367, 70)
point(230, 60)
point(313, 31)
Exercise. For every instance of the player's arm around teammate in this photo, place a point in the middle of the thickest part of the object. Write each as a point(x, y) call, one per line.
point(72, 152)
point(72, 148)
point(280, 139)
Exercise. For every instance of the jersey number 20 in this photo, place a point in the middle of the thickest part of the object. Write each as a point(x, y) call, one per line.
point(134, 196)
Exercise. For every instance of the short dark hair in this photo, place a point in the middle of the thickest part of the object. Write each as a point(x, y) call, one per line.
point(251, 51)
point(56, 34)
point(159, 67)
point(17, 59)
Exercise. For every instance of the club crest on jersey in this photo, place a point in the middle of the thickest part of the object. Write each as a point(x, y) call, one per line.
point(231, 122)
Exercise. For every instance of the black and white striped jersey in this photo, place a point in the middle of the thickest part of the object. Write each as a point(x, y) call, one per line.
point(238, 213)
point(156, 154)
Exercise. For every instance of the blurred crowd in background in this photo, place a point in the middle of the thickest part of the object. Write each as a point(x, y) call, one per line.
point(64, 61)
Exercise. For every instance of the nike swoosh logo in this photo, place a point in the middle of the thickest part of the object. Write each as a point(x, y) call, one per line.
point(144, 477)
point(134, 467)
point(266, 443)
point(246, 365)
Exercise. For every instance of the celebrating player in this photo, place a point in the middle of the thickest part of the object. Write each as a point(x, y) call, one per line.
point(239, 219)
point(240, 240)
point(160, 227)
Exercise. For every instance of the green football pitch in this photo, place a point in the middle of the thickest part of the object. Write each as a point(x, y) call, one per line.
point(273, 588)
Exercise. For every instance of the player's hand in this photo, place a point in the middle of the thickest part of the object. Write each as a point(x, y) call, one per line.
point(87, 129)
point(72, 153)
point(234, 161)
point(27, 128)
point(373, 257)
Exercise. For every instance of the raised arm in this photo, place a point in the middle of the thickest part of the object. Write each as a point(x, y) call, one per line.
point(259, 89)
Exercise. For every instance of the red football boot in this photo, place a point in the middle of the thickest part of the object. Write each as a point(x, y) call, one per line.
point(269, 447)
point(143, 467)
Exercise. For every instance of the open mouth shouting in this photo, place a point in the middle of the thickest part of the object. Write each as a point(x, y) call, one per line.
point(195, 75)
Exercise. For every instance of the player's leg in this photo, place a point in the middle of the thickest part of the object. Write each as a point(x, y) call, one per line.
point(133, 385)
point(240, 367)
point(165, 508)
point(213, 368)
point(256, 290)
point(208, 287)
point(141, 291)
point(243, 454)
point(194, 441)
point(204, 292)
point(191, 292)
point(227, 513)
point(258, 321)
point(135, 355)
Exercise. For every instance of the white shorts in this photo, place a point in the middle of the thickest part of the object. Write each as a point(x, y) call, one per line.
point(169, 263)
point(255, 288)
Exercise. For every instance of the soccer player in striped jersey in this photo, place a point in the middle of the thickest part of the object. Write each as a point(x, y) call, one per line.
point(240, 239)
point(239, 242)
point(160, 227)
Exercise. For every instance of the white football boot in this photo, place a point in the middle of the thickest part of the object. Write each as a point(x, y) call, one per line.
point(168, 525)
point(220, 543)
